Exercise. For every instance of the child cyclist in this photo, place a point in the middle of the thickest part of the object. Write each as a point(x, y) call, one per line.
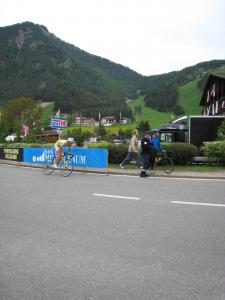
point(59, 145)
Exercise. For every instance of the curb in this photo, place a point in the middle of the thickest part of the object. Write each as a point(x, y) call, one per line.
point(128, 172)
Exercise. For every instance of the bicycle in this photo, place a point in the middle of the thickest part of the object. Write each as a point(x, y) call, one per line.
point(166, 162)
point(65, 166)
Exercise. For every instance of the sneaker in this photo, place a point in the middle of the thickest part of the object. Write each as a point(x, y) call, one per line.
point(55, 166)
point(121, 166)
point(152, 172)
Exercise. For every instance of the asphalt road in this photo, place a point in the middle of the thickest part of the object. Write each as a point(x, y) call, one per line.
point(110, 237)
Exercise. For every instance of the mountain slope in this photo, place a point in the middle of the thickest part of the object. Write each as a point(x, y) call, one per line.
point(165, 92)
point(35, 63)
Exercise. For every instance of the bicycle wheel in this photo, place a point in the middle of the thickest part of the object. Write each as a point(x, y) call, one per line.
point(48, 169)
point(66, 167)
point(167, 165)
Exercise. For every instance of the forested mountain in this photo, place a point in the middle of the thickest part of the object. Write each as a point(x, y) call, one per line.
point(35, 63)
point(162, 91)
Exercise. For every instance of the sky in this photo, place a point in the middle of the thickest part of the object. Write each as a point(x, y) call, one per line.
point(149, 36)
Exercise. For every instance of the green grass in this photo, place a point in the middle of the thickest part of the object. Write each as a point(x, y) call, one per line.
point(47, 111)
point(154, 117)
point(178, 168)
point(221, 71)
point(190, 97)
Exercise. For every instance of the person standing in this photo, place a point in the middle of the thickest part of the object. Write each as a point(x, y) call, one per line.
point(146, 148)
point(156, 147)
point(133, 151)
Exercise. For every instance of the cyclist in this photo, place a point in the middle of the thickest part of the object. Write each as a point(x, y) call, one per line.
point(59, 145)
point(156, 147)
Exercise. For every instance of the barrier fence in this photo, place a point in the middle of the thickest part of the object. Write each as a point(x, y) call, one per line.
point(83, 157)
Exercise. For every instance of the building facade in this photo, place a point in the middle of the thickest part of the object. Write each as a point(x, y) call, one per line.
point(213, 97)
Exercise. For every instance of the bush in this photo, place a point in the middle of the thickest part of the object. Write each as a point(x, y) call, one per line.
point(117, 153)
point(25, 145)
point(215, 150)
point(99, 145)
point(181, 153)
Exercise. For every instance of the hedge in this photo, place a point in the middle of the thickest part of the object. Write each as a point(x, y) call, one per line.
point(181, 153)
point(215, 150)
point(25, 145)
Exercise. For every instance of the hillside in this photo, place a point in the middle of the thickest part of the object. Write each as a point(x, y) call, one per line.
point(154, 117)
point(35, 63)
point(189, 97)
point(165, 92)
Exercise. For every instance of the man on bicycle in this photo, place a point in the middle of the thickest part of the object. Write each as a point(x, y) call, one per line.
point(59, 145)
point(156, 147)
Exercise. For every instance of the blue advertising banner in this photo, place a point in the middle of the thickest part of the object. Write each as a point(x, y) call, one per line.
point(83, 157)
point(59, 123)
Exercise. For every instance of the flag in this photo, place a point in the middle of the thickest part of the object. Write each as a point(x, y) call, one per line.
point(25, 130)
point(58, 113)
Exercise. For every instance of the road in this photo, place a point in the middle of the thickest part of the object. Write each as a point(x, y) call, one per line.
point(93, 236)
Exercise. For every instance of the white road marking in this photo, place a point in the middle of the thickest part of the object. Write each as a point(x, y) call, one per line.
point(198, 203)
point(115, 196)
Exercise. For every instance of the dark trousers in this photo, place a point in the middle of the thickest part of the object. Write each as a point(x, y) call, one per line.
point(152, 160)
point(146, 161)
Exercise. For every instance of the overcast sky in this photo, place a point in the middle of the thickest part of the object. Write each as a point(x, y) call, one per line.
point(149, 36)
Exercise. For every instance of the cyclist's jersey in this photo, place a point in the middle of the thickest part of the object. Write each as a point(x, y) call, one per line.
point(61, 143)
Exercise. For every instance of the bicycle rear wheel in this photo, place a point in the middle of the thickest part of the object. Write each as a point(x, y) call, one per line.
point(167, 165)
point(66, 167)
point(48, 169)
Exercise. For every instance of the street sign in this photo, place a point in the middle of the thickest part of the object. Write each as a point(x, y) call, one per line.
point(59, 123)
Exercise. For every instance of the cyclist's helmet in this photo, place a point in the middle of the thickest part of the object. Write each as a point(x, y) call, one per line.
point(155, 130)
point(70, 140)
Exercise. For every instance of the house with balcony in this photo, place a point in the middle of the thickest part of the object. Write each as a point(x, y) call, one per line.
point(213, 96)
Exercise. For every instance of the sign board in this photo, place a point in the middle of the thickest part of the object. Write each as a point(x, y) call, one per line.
point(83, 157)
point(59, 123)
point(15, 154)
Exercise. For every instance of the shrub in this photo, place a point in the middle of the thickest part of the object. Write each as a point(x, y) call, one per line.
point(25, 145)
point(181, 153)
point(117, 153)
point(99, 145)
point(215, 150)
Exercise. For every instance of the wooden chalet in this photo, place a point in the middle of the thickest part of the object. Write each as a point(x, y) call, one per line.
point(50, 136)
point(213, 97)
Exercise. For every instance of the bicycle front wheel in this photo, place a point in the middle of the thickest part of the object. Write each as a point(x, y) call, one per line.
point(167, 165)
point(66, 167)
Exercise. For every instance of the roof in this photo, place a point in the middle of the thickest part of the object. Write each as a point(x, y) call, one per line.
point(211, 80)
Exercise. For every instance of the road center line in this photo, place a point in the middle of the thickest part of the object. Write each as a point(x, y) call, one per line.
point(198, 203)
point(115, 196)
